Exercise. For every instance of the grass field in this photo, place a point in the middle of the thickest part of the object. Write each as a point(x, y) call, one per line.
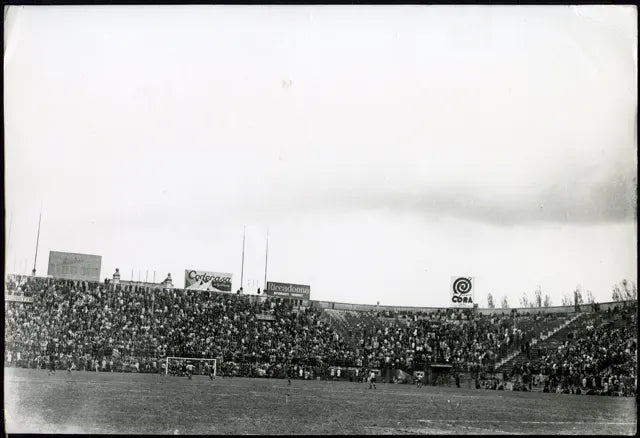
point(84, 402)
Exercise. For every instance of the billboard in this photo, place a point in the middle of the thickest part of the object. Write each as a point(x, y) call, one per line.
point(288, 290)
point(461, 292)
point(195, 279)
point(74, 266)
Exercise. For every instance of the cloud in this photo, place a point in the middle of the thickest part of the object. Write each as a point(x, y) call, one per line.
point(579, 194)
point(577, 197)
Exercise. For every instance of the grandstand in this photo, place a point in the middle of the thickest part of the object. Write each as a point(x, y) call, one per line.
point(125, 345)
point(133, 328)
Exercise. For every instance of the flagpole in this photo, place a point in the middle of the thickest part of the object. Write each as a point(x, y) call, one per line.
point(266, 260)
point(244, 233)
point(35, 259)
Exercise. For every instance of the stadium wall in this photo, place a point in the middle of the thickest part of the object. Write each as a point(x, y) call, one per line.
point(373, 307)
point(556, 309)
point(366, 307)
point(521, 310)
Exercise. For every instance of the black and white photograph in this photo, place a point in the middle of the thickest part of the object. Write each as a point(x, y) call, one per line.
point(320, 219)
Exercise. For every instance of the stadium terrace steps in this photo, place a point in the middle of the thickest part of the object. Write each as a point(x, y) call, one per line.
point(557, 336)
point(352, 324)
point(342, 322)
point(335, 317)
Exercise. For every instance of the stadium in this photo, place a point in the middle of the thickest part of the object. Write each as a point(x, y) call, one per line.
point(92, 357)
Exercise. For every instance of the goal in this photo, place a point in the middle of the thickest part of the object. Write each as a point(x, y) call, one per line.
point(173, 365)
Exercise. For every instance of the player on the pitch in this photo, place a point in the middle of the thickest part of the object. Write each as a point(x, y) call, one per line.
point(372, 380)
point(208, 369)
point(189, 370)
point(52, 364)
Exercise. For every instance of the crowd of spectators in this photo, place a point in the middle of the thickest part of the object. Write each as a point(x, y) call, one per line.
point(599, 358)
point(91, 325)
point(469, 341)
point(127, 328)
point(18, 286)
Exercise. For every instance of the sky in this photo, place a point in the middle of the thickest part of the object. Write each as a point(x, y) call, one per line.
point(384, 148)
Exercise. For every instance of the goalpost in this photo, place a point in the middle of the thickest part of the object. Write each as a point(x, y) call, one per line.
point(197, 361)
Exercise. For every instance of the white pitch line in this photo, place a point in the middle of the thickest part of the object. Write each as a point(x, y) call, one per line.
point(527, 422)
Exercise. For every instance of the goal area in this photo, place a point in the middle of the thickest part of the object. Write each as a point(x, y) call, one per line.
point(174, 365)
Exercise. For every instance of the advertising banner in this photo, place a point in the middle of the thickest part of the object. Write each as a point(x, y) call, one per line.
point(288, 290)
point(74, 266)
point(461, 292)
point(18, 298)
point(195, 279)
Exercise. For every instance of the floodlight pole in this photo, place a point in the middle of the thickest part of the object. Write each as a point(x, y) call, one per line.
point(266, 259)
point(244, 233)
point(35, 259)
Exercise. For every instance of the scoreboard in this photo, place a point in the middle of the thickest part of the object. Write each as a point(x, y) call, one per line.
point(74, 266)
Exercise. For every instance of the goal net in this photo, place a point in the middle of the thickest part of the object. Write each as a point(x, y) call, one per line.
point(178, 365)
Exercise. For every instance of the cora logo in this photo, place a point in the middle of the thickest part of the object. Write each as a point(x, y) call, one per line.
point(462, 285)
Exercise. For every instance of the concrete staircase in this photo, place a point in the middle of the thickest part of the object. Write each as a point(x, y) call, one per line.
point(548, 340)
point(343, 322)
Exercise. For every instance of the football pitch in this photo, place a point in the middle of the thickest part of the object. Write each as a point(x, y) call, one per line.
point(85, 402)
